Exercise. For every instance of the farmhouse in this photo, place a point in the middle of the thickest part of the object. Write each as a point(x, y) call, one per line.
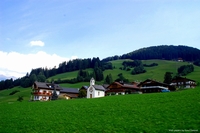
point(121, 88)
point(149, 86)
point(183, 82)
point(95, 91)
point(69, 93)
point(43, 91)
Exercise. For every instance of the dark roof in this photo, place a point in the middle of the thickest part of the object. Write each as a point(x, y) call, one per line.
point(149, 81)
point(69, 90)
point(99, 87)
point(105, 85)
point(49, 86)
point(84, 87)
point(181, 79)
point(125, 85)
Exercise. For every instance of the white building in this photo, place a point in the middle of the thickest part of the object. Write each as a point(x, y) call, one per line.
point(95, 91)
point(183, 82)
point(43, 91)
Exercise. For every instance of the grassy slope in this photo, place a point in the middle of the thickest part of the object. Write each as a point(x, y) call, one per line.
point(67, 75)
point(156, 72)
point(5, 97)
point(155, 112)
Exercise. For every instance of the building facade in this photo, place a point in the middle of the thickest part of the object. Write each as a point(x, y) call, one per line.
point(43, 91)
point(95, 91)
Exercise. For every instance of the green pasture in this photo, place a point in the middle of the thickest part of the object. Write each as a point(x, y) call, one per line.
point(67, 75)
point(133, 113)
point(5, 97)
point(156, 72)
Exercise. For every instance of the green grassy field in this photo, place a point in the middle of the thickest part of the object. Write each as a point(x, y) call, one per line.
point(138, 113)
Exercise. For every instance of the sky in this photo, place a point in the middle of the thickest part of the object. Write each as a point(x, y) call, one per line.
point(44, 33)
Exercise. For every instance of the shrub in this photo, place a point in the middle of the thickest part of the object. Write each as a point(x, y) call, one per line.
point(13, 92)
point(20, 98)
point(150, 65)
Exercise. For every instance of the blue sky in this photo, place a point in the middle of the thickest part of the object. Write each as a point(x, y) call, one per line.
point(44, 33)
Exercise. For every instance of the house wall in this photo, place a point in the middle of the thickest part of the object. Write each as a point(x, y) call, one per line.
point(49, 91)
point(188, 84)
point(95, 93)
point(99, 93)
point(90, 93)
point(44, 97)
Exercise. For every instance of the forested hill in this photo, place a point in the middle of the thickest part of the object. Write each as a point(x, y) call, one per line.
point(167, 52)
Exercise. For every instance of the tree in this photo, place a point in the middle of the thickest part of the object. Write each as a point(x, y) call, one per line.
point(121, 78)
point(98, 73)
point(82, 93)
point(108, 79)
point(185, 69)
point(54, 95)
point(168, 77)
point(33, 78)
point(20, 98)
point(41, 77)
point(138, 69)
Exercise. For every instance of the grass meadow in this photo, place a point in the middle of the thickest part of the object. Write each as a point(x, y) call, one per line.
point(134, 113)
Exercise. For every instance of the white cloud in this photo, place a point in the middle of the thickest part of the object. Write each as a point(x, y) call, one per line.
point(17, 64)
point(37, 43)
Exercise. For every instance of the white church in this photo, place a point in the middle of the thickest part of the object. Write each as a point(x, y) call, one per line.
point(95, 91)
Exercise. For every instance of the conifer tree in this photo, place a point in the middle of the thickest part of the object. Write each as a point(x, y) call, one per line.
point(54, 95)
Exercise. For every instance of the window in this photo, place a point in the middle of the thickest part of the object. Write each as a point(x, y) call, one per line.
point(98, 93)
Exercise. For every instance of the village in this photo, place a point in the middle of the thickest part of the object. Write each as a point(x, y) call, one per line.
point(42, 91)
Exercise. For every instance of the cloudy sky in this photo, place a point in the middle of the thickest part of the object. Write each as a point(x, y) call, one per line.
point(44, 33)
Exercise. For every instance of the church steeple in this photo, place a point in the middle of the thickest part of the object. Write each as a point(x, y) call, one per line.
point(92, 81)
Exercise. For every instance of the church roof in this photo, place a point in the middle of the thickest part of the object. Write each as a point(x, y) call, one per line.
point(99, 87)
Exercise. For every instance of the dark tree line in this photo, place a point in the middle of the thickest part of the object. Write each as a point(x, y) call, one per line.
point(41, 74)
point(136, 65)
point(150, 65)
point(160, 52)
point(185, 69)
point(197, 62)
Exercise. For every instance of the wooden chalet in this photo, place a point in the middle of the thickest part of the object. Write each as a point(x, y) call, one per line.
point(121, 88)
point(183, 82)
point(149, 86)
point(69, 93)
point(43, 91)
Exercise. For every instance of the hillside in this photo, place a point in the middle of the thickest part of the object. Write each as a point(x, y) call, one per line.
point(156, 72)
point(155, 112)
point(167, 52)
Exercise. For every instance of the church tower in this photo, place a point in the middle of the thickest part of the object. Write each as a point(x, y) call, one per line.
point(92, 81)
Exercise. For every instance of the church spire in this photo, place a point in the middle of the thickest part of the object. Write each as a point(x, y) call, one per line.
point(92, 81)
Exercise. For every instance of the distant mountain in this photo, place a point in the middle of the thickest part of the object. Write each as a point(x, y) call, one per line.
point(3, 77)
point(167, 52)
